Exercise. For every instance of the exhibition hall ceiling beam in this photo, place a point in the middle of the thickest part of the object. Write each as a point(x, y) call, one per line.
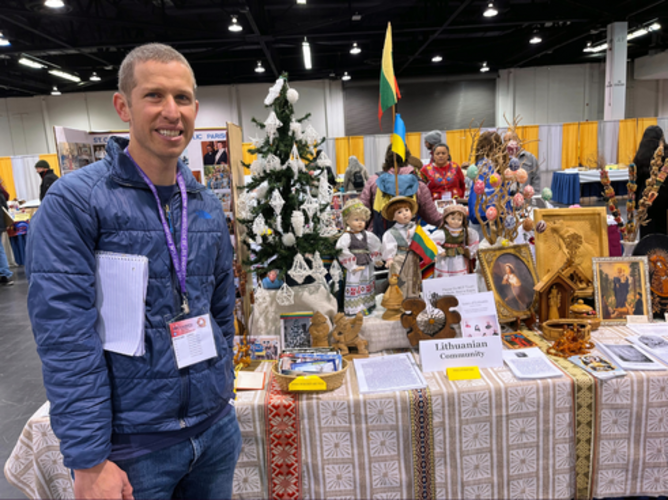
point(270, 54)
point(449, 21)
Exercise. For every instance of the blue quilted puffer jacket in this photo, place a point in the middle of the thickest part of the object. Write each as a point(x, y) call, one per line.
point(107, 206)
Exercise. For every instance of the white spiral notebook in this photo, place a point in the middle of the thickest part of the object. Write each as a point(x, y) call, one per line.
point(120, 298)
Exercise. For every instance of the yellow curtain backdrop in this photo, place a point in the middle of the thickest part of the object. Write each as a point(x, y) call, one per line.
point(7, 176)
point(588, 143)
point(461, 143)
point(52, 160)
point(569, 145)
point(628, 140)
point(342, 146)
point(529, 136)
point(414, 143)
point(246, 156)
point(643, 123)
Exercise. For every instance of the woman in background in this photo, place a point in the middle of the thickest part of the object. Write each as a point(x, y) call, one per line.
point(443, 175)
point(651, 139)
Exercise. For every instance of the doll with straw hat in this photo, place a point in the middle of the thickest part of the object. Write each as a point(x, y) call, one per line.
point(457, 243)
point(397, 239)
point(359, 250)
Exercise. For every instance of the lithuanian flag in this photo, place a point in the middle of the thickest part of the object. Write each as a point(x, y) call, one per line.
point(399, 137)
point(389, 90)
point(423, 245)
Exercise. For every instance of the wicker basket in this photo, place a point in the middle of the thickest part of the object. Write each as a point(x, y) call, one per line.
point(333, 380)
point(554, 328)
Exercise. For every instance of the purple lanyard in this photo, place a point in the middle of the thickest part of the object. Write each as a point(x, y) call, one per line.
point(179, 266)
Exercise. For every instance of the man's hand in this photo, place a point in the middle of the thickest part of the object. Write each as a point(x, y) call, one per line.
point(104, 481)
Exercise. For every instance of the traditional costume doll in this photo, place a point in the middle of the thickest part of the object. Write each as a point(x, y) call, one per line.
point(396, 243)
point(457, 243)
point(359, 250)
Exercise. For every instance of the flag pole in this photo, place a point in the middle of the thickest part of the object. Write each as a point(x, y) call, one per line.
point(394, 155)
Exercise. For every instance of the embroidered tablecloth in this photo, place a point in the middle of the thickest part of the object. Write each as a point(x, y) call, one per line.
point(496, 437)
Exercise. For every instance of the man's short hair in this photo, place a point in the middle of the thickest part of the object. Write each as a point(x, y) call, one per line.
point(157, 52)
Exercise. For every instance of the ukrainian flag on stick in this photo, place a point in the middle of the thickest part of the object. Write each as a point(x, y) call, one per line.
point(389, 90)
point(399, 137)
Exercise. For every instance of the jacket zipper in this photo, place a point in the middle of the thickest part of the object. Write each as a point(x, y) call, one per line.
point(183, 373)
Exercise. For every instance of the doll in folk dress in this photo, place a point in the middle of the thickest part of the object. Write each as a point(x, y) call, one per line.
point(457, 243)
point(359, 250)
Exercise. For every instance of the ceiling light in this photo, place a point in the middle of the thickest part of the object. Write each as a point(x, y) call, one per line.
point(64, 75)
point(630, 36)
point(346, 77)
point(54, 4)
point(235, 26)
point(357, 16)
point(355, 49)
point(259, 68)
point(595, 48)
point(436, 59)
point(3, 41)
point(55, 91)
point(31, 64)
point(94, 77)
point(306, 49)
point(490, 11)
point(484, 68)
point(535, 38)
point(301, 2)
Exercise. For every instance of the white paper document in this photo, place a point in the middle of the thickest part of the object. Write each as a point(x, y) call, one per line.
point(435, 288)
point(649, 328)
point(397, 372)
point(530, 363)
point(656, 345)
point(120, 295)
point(478, 312)
point(629, 357)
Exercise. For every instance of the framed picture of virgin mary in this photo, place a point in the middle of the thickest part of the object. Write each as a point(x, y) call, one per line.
point(510, 273)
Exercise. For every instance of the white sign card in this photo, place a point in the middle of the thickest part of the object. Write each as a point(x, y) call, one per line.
point(435, 288)
point(438, 355)
point(478, 312)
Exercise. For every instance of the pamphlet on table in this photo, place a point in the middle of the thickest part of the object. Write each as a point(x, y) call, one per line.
point(530, 363)
point(629, 357)
point(655, 345)
point(397, 372)
point(479, 317)
point(597, 365)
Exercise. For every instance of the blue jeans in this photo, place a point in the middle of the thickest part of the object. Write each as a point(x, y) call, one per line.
point(4, 265)
point(199, 468)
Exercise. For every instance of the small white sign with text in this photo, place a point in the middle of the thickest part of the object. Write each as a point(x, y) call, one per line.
point(437, 355)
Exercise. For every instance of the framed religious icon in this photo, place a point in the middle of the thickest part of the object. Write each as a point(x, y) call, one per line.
point(295, 330)
point(621, 288)
point(655, 247)
point(566, 228)
point(510, 273)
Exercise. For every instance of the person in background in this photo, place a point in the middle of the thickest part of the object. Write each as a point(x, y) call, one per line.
point(209, 157)
point(221, 154)
point(527, 160)
point(426, 208)
point(430, 140)
point(651, 138)
point(443, 175)
point(5, 273)
point(355, 177)
point(152, 426)
point(48, 177)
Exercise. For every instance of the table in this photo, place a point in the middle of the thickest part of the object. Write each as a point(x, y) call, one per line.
point(496, 437)
point(567, 184)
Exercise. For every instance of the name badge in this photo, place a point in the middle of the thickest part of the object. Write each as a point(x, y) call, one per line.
point(192, 340)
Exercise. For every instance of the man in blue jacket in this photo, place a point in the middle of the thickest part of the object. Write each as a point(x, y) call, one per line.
point(149, 426)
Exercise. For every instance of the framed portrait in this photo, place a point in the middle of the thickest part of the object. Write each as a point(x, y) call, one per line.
point(564, 224)
point(621, 288)
point(294, 330)
point(510, 273)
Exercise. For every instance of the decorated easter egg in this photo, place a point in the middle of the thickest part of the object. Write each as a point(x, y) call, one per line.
point(514, 164)
point(472, 172)
point(505, 243)
point(479, 187)
point(529, 191)
point(541, 226)
point(509, 174)
point(546, 194)
point(494, 180)
point(491, 213)
point(518, 200)
point(510, 221)
point(521, 176)
point(527, 225)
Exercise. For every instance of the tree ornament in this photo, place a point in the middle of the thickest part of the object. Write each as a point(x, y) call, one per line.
point(257, 167)
point(293, 96)
point(288, 239)
point(273, 163)
point(299, 270)
point(255, 141)
point(491, 213)
point(318, 267)
point(514, 164)
point(274, 92)
point(518, 200)
point(261, 304)
point(541, 226)
point(546, 194)
point(311, 137)
point(295, 161)
point(297, 220)
point(285, 296)
point(261, 192)
point(509, 174)
point(243, 206)
point(472, 172)
point(259, 228)
point(279, 223)
point(494, 180)
point(277, 202)
point(325, 191)
point(296, 129)
point(479, 187)
point(528, 191)
point(336, 274)
point(521, 176)
point(510, 221)
point(327, 225)
point(310, 206)
point(272, 125)
point(527, 225)
point(323, 160)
